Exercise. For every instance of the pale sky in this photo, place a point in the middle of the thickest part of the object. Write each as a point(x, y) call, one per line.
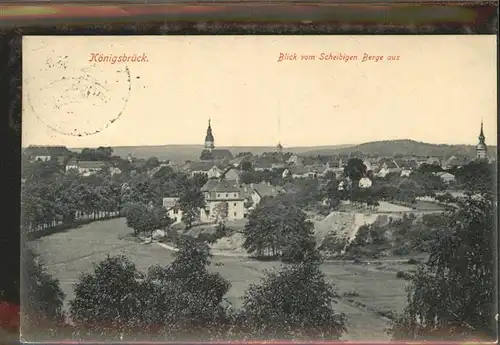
point(437, 92)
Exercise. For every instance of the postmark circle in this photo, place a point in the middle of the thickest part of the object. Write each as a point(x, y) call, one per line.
point(79, 101)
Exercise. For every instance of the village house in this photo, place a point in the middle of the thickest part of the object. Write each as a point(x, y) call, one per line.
point(238, 161)
point(454, 162)
point(388, 167)
point(262, 165)
point(263, 189)
point(46, 153)
point(173, 210)
point(232, 175)
point(87, 168)
point(446, 177)
point(209, 169)
point(303, 172)
point(295, 160)
point(335, 166)
point(216, 192)
point(433, 161)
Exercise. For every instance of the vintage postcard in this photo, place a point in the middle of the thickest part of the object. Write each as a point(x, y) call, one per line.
point(259, 188)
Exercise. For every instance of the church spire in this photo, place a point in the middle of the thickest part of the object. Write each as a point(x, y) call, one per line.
point(209, 139)
point(481, 148)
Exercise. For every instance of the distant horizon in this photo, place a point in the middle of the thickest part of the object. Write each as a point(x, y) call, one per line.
point(261, 146)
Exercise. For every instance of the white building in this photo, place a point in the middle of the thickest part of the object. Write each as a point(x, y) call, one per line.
point(206, 168)
point(216, 192)
point(445, 176)
point(365, 182)
point(173, 210)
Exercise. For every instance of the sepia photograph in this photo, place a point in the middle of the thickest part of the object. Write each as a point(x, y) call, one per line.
point(259, 188)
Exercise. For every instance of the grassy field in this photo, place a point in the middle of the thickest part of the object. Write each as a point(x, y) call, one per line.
point(68, 254)
point(427, 206)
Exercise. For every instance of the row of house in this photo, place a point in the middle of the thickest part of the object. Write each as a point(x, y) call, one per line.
point(47, 153)
point(87, 168)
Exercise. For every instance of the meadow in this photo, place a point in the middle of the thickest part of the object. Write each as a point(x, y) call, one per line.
point(367, 291)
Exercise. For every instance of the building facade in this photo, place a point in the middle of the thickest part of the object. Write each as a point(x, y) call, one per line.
point(218, 192)
point(173, 210)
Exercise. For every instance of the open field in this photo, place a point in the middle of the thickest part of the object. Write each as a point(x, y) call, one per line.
point(70, 253)
point(427, 206)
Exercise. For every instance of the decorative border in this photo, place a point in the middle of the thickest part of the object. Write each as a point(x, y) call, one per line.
point(223, 18)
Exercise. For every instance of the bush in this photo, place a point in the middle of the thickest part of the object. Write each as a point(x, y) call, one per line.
point(404, 275)
point(294, 302)
point(333, 243)
point(401, 251)
point(352, 293)
point(207, 238)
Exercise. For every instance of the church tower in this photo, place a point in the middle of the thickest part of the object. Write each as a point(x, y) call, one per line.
point(209, 139)
point(279, 148)
point(481, 146)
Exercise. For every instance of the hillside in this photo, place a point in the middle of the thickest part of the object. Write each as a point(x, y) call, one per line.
point(404, 147)
point(181, 153)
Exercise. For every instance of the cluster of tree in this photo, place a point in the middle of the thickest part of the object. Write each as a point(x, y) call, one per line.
point(304, 193)
point(477, 176)
point(184, 301)
point(99, 154)
point(453, 293)
point(278, 228)
point(145, 193)
point(274, 176)
point(51, 196)
point(144, 219)
point(65, 197)
point(399, 237)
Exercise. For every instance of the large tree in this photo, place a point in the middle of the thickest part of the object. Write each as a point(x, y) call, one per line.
point(278, 228)
point(42, 299)
point(107, 301)
point(331, 193)
point(190, 201)
point(355, 169)
point(294, 302)
point(453, 293)
point(185, 299)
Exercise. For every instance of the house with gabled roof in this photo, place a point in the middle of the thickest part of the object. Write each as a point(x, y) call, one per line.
point(262, 165)
point(262, 190)
point(454, 162)
point(171, 205)
point(387, 166)
point(46, 153)
point(231, 174)
point(433, 161)
point(303, 172)
point(216, 192)
point(446, 177)
point(209, 169)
